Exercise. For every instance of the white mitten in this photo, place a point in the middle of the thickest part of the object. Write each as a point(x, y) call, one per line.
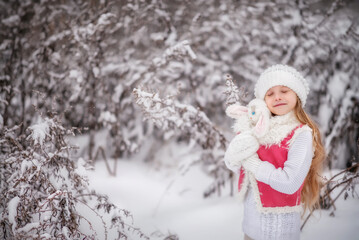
point(233, 166)
point(252, 163)
point(241, 147)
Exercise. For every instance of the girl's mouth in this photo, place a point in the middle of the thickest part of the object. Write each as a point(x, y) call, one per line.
point(279, 104)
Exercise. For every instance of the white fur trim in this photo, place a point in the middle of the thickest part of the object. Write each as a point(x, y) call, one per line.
point(297, 132)
point(279, 128)
point(282, 75)
point(244, 187)
point(266, 210)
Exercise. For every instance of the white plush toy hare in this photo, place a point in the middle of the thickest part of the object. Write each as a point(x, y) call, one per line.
point(252, 122)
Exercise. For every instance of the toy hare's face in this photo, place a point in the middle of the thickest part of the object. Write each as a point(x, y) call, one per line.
point(253, 114)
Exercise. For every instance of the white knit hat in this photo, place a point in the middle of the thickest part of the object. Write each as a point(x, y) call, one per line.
point(282, 75)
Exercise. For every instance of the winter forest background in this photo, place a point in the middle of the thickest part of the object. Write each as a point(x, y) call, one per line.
point(100, 98)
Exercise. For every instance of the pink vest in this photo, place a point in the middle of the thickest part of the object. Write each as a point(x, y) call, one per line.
point(276, 155)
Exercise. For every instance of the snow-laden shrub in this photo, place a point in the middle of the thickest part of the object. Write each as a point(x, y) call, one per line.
point(45, 192)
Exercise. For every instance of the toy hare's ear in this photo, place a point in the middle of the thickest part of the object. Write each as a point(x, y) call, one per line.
point(261, 127)
point(236, 110)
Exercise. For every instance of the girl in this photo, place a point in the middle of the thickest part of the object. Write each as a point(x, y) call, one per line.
point(284, 172)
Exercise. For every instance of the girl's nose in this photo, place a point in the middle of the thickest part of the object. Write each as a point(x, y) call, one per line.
point(277, 97)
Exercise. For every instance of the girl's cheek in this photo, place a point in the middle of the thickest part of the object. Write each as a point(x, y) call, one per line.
point(268, 99)
point(268, 102)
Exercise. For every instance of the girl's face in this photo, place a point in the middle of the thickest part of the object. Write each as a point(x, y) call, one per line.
point(280, 100)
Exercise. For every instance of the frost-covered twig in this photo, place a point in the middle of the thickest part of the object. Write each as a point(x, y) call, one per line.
point(97, 214)
point(233, 94)
point(83, 33)
point(335, 6)
point(169, 115)
point(180, 50)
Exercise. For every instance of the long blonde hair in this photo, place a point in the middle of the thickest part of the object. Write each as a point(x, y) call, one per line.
point(312, 184)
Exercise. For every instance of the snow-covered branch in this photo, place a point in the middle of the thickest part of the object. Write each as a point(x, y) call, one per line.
point(170, 115)
point(233, 94)
point(180, 50)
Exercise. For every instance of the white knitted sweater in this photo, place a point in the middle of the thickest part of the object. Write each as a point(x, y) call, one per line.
point(279, 226)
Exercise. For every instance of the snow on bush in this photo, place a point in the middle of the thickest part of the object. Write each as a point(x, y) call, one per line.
point(46, 193)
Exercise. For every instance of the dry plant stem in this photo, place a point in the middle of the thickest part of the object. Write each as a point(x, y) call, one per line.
point(115, 167)
point(88, 222)
point(103, 222)
point(348, 181)
point(345, 170)
point(337, 185)
point(100, 149)
point(344, 188)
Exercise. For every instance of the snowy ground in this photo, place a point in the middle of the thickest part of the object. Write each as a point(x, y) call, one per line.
point(166, 201)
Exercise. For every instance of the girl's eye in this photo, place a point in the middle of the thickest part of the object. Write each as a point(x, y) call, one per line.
point(284, 91)
point(269, 94)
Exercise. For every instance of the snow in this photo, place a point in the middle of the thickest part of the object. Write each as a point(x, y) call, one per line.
point(96, 71)
point(25, 165)
point(343, 226)
point(104, 19)
point(11, 21)
point(1, 121)
point(28, 227)
point(81, 168)
point(40, 131)
point(107, 117)
point(162, 198)
point(51, 196)
point(181, 48)
point(74, 73)
point(337, 86)
point(168, 204)
point(12, 209)
point(45, 236)
point(57, 37)
point(160, 36)
point(65, 232)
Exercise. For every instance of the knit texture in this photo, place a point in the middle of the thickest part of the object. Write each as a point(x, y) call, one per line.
point(282, 75)
point(271, 226)
point(290, 178)
point(286, 224)
point(252, 163)
point(279, 128)
point(241, 147)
